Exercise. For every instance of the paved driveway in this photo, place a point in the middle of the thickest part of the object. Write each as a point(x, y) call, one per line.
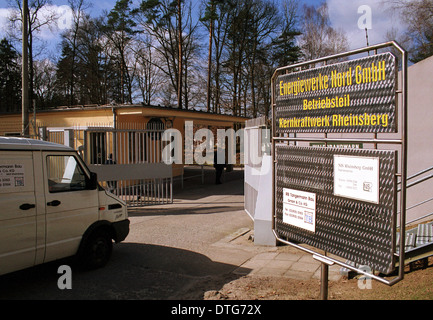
point(172, 252)
point(177, 251)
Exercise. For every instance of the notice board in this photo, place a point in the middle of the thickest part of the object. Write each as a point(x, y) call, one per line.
point(311, 210)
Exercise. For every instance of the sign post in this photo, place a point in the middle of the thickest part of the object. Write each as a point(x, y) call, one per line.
point(338, 200)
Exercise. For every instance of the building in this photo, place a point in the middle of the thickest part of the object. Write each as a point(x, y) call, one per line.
point(122, 143)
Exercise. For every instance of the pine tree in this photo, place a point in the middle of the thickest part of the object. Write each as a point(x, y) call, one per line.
point(164, 19)
point(285, 50)
point(120, 30)
point(10, 78)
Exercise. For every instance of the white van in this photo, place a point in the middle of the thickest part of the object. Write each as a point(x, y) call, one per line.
point(52, 207)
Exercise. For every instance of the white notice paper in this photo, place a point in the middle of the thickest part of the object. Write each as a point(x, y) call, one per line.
point(357, 178)
point(299, 209)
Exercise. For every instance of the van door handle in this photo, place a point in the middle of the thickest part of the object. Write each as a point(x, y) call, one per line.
point(27, 206)
point(54, 203)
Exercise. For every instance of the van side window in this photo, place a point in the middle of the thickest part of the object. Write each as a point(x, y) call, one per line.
point(65, 174)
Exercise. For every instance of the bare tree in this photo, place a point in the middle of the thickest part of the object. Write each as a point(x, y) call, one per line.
point(264, 23)
point(44, 82)
point(319, 39)
point(216, 19)
point(120, 30)
point(285, 49)
point(174, 34)
point(71, 38)
point(148, 75)
point(40, 14)
point(418, 15)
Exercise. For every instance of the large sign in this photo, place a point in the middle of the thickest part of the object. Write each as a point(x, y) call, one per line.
point(351, 96)
point(338, 193)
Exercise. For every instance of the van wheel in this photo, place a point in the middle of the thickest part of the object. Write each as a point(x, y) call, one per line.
point(97, 250)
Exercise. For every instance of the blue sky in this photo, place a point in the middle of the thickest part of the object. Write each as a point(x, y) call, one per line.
point(343, 14)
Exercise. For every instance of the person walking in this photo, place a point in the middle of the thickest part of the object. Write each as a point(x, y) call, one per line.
point(219, 164)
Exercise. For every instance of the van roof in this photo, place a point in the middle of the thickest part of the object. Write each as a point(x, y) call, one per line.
point(14, 143)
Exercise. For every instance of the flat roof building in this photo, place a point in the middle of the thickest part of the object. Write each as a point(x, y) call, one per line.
point(128, 137)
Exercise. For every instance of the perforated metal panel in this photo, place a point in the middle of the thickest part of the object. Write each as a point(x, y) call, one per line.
point(368, 105)
point(357, 231)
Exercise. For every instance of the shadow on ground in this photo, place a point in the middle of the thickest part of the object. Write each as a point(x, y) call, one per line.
point(136, 271)
point(206, 186)
point(173, 211)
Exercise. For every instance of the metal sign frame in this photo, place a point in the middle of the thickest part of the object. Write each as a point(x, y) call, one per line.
point(279, 137)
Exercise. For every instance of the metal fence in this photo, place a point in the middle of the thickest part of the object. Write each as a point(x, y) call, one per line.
point(128, 160)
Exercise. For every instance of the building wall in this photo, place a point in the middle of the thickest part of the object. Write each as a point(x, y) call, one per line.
point(56, 119)
point(420, 134)
point(125, 118)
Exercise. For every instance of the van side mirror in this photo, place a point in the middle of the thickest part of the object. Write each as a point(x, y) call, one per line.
point(92, 183)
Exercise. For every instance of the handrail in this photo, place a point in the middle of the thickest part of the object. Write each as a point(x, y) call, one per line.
point(411, 184)
point(414, 183)
point(420, 173)
point(420, 218)
point(419, 204)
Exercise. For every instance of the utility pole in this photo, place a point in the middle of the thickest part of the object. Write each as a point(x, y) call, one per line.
point(25, 72)
point(180, 66)
point(209, 63)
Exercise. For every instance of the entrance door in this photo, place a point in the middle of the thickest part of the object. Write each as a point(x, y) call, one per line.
point(17, 211)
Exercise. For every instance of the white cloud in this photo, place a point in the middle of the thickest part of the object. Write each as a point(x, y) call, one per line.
point(65, 14)
point(4, 13)
point(344, 14)
point(63, 21)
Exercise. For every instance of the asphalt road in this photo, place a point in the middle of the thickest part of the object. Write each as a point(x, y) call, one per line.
point(173, 251)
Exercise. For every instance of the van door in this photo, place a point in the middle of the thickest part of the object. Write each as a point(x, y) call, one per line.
point(17, 211)
point(70, 206)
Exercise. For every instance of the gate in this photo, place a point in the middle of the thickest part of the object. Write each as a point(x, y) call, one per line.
point(127, 160)
point(129, 163)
